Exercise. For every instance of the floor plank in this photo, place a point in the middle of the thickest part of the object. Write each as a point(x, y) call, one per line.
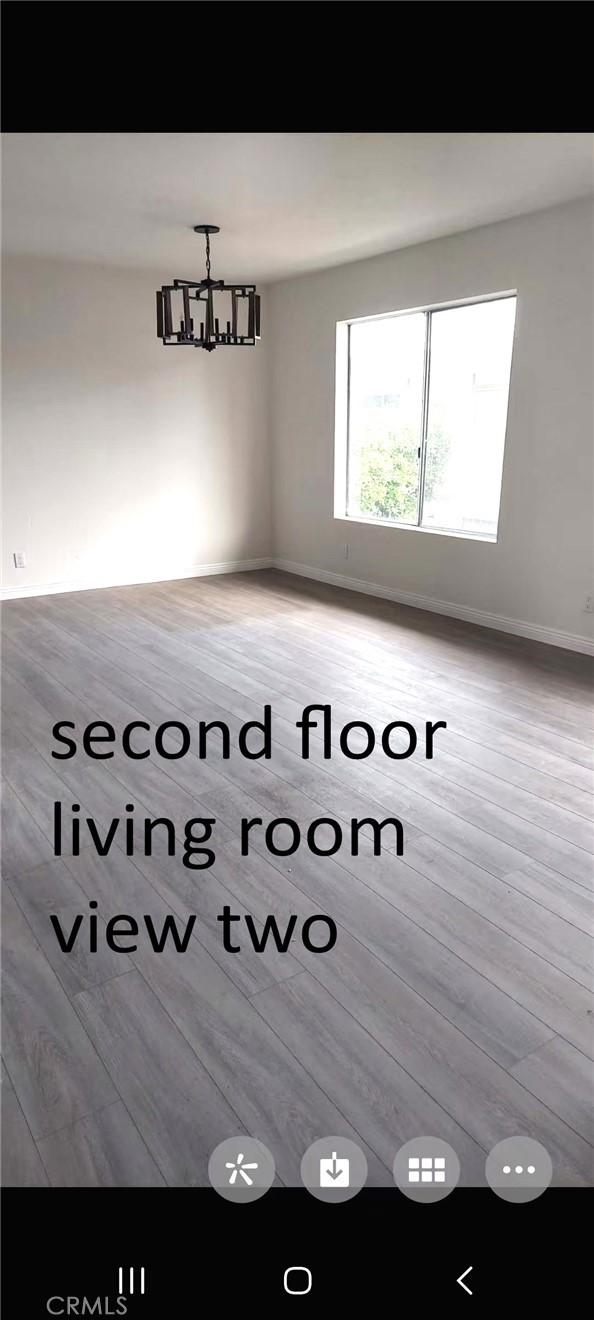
point(56, 1073)
point(21, 1162)
point(173, 1102)
point(563, 1077)
point(102, 1150)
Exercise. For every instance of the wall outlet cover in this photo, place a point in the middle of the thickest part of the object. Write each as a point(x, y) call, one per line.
point(20, 559)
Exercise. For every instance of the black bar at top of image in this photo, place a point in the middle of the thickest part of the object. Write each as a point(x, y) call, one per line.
point(74, 67)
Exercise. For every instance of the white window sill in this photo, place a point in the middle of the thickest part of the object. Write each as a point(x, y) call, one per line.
point(413, 527)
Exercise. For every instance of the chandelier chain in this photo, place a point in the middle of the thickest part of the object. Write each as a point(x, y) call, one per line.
point(208, 256)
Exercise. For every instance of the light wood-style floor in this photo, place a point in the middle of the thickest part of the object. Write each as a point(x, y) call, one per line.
point(457, 1001)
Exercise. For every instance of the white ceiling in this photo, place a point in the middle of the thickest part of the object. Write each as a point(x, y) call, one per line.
point(286, 202)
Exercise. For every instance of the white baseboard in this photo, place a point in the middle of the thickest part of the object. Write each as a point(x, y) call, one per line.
point(518, 627)
point(195, 570)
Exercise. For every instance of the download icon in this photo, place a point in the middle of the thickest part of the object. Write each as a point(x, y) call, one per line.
point(334, 1172)
point(334, 1168)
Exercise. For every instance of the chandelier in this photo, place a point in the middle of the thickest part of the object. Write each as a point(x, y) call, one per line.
point(233, 319)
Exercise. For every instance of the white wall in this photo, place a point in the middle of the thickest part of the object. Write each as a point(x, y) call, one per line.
point(123, 461)
point(541, 568)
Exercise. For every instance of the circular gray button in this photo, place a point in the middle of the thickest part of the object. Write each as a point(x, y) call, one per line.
point(519, 1169)
point(426, 1169)
point(241, 1169)
point(334, 1169)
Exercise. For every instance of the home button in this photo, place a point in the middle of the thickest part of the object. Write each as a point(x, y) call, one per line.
point(297, 1280)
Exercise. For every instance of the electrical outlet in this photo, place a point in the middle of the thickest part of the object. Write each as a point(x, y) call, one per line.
point(345, 551)
point(589, 605)
point(20, 559)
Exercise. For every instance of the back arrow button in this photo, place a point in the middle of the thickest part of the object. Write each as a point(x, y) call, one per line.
point(461, 1279)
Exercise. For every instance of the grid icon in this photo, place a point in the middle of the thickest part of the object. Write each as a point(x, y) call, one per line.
point(426, 1169)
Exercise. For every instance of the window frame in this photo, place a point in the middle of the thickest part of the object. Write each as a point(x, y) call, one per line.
point(343, 409)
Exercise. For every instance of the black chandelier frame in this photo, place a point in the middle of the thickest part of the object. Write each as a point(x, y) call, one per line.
point(202, 293)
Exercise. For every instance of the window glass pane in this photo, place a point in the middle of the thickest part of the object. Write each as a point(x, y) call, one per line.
point(385, 417)
point(470, 365)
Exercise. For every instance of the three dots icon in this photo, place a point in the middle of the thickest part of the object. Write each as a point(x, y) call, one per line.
point(519, 1169)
